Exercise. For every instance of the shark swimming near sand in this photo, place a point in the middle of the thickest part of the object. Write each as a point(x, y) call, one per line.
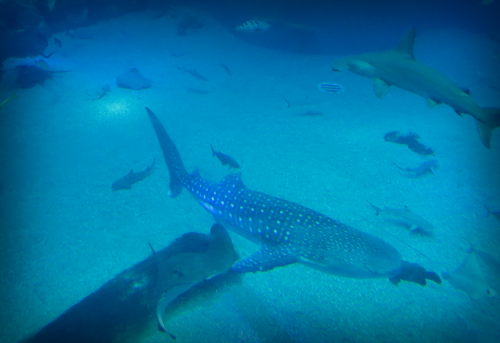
point(399, 68)
point(128, 180)
point(287, 232)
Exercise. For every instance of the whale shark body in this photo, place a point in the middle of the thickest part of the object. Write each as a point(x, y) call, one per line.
point(399, 68)
point(287, 232)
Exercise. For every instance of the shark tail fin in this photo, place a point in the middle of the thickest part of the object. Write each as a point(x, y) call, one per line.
point(213, 151)
point(488, 124)
point(172, 157)
point(406, 44)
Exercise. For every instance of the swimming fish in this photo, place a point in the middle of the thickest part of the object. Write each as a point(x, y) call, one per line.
point(102, 93)
point(409, 139)
point(420, 170)
point(225, 159)
point(406, 218)
point(193, 73)
point(477, 276)
point(200, 257)
point(330, 87)
point(398, 67)
point(252, 26)
point(128, 180)
point(6, 101)
point(287, 232)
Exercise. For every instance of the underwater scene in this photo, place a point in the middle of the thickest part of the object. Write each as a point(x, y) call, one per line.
point(249, 171)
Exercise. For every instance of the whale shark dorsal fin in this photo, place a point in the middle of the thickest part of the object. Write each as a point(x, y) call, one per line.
point(407, 43)
point(232, 180)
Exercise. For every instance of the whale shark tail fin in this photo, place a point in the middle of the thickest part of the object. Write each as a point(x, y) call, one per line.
point(172, 157)
point(490, 122)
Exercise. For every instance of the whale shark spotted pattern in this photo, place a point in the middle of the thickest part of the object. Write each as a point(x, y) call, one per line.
point(287, 232)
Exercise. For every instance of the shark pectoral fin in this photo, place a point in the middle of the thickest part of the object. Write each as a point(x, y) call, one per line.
point(484, 133)
point(267, 258)
point(432, 103)
point(380, 87)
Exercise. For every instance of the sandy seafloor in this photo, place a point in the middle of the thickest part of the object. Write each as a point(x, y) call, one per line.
point(66, 233)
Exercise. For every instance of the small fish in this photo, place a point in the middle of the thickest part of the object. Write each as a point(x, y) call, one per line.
point(48, 56)
point(420, 170)
point(252, 26)
point(58, 42)
point(225, 159)
point(330, 87)
point(6, 101)
point(193, 73)
point(100, 94)
point(495, 214)
point(406, 218)
point(128, 180)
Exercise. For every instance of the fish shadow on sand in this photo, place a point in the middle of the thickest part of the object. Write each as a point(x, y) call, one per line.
point(123, 309)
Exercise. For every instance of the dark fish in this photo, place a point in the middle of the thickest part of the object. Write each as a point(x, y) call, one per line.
point(123, 306)
point(128, 180)
point(329, 87)
point(225, 159)
point(411, 140)
point(58, 42)
point(287, 232)
point(48, 56)
point(193, 73)
point(422, 169)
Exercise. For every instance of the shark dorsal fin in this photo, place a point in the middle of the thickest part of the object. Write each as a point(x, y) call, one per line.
point(406, 44)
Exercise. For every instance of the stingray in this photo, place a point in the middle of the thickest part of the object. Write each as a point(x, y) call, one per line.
point(132, 79)
point(476, 276)
point(199, 257)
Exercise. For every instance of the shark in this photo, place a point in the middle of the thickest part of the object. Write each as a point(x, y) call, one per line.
point(287, 232)
point(399, 68)
point(404, 217)
point(132, 177)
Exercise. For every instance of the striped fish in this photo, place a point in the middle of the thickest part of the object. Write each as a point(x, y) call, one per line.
point(252, 26)
point(329, 87)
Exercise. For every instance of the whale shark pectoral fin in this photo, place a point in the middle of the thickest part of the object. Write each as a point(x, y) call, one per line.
point(380, 87)
point(267, 258)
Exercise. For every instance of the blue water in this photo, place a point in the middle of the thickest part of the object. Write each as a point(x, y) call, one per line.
point(65, 233)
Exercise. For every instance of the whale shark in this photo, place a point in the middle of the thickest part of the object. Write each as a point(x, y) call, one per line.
point(399, 68)
point(287, 232)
